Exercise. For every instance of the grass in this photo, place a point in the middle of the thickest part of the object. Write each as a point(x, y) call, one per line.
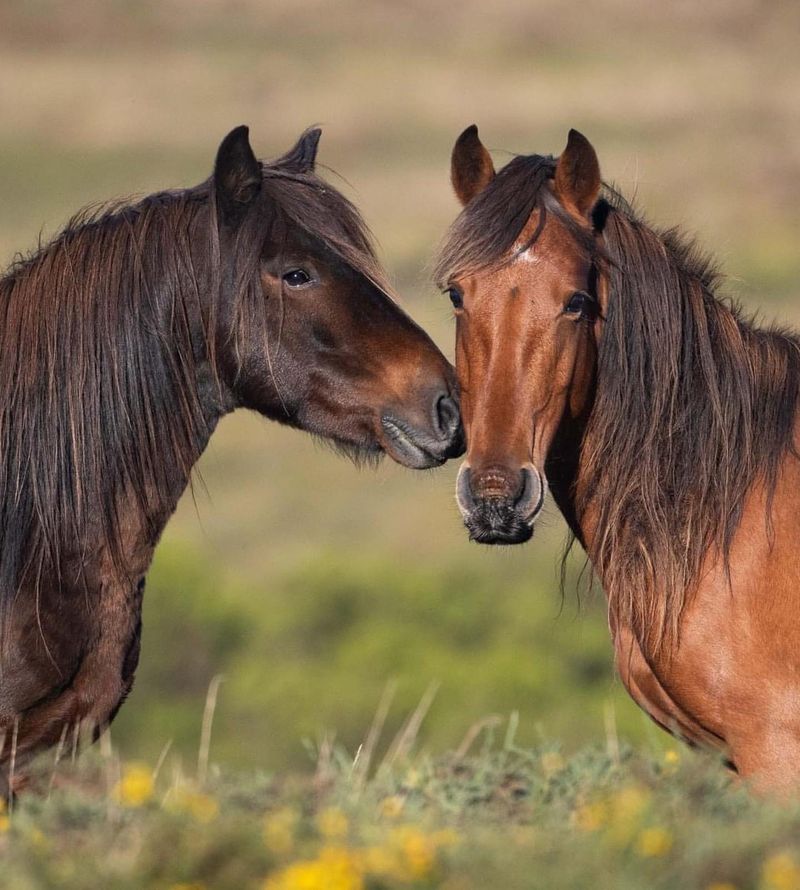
point(314, 648)
point(490, 814)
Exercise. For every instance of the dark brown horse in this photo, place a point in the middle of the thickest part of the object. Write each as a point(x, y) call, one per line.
point(122, 344)
point(596, 359)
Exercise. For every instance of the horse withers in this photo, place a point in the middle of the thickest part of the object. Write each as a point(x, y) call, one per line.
point(122, 344)
point(597, 361)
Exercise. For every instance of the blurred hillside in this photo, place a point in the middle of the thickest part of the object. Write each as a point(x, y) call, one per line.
point(310, 584)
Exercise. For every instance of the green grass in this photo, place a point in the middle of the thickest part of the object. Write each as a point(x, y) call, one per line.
point(493, 814)
point(314, 649)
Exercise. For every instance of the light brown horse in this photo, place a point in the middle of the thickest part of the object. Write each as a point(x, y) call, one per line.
point(597, 360)
point(122, 344)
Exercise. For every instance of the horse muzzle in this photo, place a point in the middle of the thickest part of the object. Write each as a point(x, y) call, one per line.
point(430, 443)
point(498, 505)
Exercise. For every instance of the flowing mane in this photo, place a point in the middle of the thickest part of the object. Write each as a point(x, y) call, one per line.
point(106, 345)
point(694, 403)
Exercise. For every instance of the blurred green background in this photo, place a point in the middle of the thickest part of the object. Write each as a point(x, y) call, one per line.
point(307, 583)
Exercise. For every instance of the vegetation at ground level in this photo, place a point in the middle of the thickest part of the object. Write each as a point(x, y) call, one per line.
point(492, 815)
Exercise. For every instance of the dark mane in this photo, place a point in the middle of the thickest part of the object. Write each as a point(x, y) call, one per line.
point(106, 344)
point(694, 403)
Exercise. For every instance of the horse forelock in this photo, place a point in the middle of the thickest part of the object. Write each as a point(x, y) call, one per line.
point(484, 234)
point(326, 215)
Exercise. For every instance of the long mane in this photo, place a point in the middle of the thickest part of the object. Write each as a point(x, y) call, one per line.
point(103, 335)
point(694, 403)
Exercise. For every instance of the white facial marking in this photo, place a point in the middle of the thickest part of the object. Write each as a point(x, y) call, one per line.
point(524, 254)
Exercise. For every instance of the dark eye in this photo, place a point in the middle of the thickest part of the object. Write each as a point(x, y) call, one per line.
point(296, 277)
point(581, 303)
point(456, 297)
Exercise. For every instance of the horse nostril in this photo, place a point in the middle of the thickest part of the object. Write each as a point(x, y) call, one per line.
point(448, 417)
point(528, 499)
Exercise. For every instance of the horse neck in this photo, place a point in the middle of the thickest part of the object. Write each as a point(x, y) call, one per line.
point(118, 328)
point(186, 380)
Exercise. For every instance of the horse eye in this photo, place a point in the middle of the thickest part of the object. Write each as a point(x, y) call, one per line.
point(579, 304)
point(456, 297)
point(296, 277)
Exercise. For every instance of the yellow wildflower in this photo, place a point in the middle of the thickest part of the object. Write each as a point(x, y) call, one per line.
point(409, 855)
point(392, 807)
point(629, 803)
point(332, 824)
point(671, 760)
point(279, 829)
point(136, 786)
point(780, 872)
point(201, 807)
point(5, 823)
point(336, 868)
point(653, 842)
point(412, 778)
point(383, 862)
point(591, 816)
point(418, 851)
point(626, 808)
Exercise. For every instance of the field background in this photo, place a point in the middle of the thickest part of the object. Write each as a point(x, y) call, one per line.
point(308, 584)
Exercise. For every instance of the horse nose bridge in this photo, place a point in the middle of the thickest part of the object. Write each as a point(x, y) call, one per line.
point(498, 425)
point(496, 405)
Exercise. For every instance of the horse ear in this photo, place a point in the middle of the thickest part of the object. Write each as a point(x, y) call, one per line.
point(577, 180)
point(302, 157)
point(471, 167)
point(237, 174)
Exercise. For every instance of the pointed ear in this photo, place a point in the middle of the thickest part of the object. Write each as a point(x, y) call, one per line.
point(577, 180)
point(302, 157)
point(237, 175)
point(471, 167)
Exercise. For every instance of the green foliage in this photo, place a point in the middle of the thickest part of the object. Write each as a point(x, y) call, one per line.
point(500, 815)
point(315, 650)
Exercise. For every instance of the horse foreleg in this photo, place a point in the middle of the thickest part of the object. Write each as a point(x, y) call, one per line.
point(83, 709)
